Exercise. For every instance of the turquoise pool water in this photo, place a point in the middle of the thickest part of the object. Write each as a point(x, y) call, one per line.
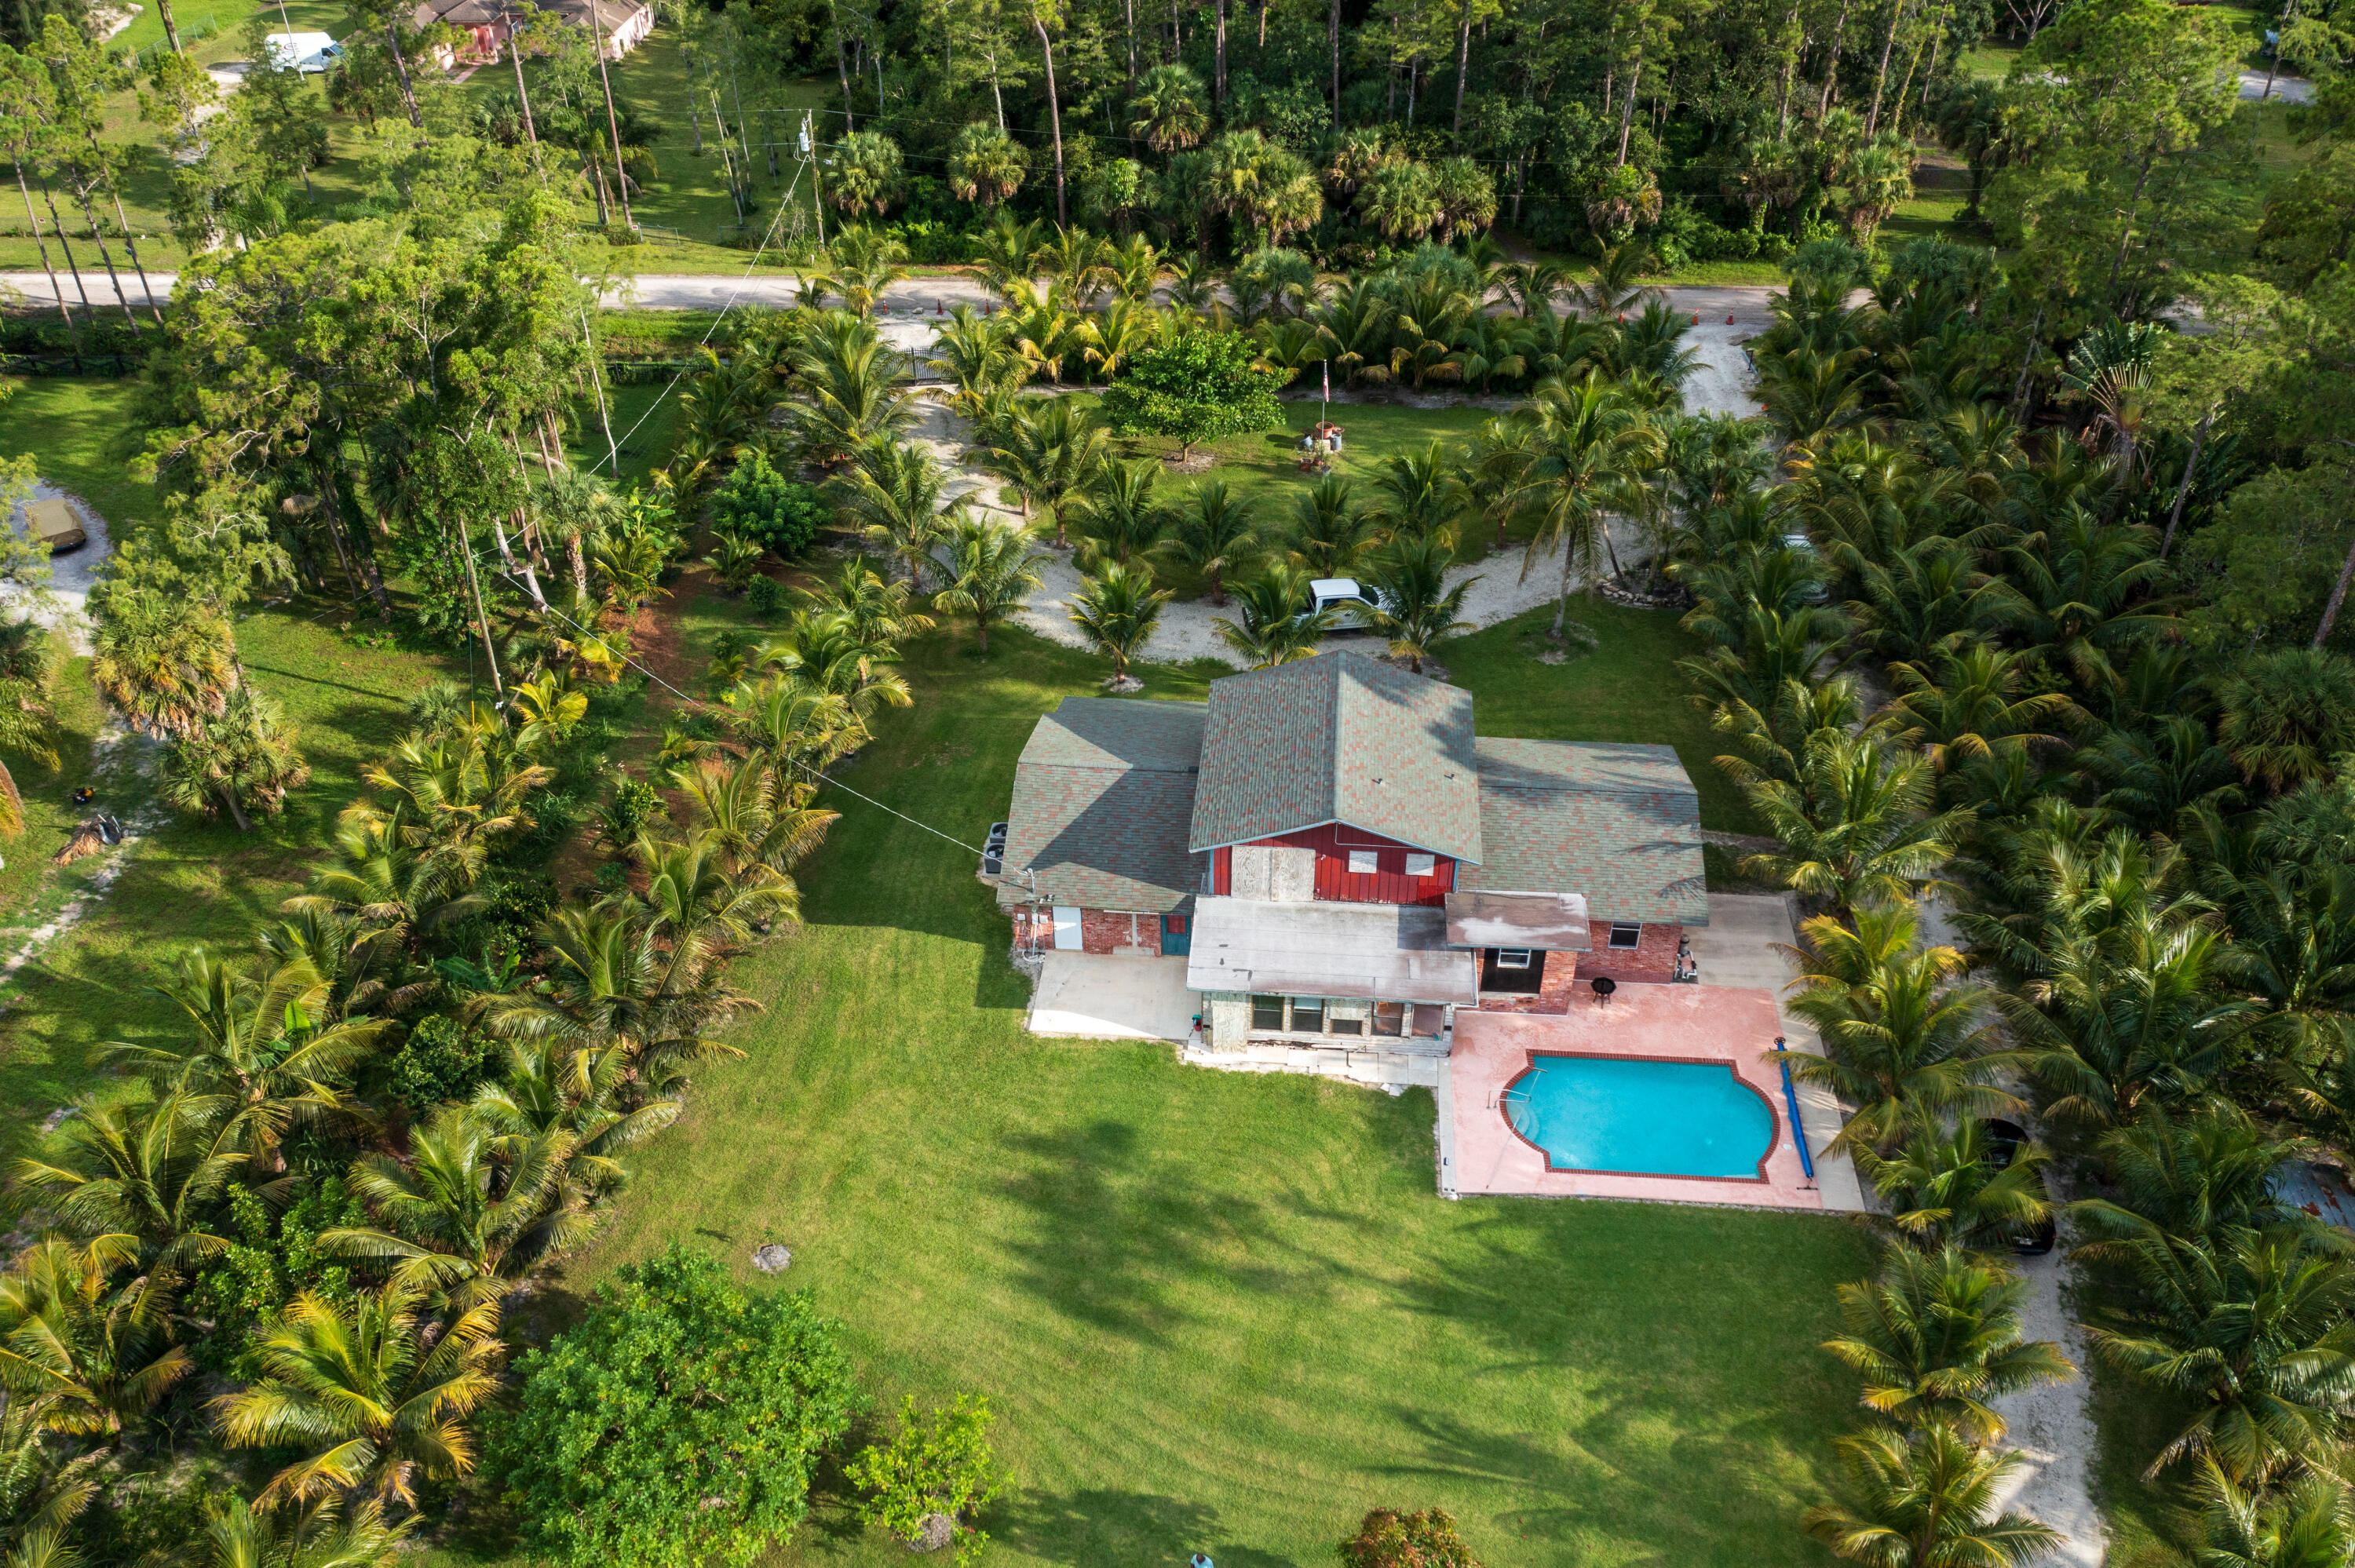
point(1648, 1119)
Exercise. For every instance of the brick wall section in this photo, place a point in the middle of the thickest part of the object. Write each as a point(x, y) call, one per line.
point(1652, 961)
point(1557, 989)
point(1100, 930)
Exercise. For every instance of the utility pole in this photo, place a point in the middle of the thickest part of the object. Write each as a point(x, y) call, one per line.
point(817, 180)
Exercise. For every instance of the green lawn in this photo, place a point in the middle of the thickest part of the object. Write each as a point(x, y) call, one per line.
point(1214, 1312)
point(1264, 468)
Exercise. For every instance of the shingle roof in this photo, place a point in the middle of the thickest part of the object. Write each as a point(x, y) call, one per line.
point(1340, 737)
point(1102, 798)
point(1620, 824)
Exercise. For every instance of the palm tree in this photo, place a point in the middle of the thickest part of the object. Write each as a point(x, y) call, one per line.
point(855, 386)
point(39, 1497)
point(1971, 702)
point(2304, 1525)
point(823, 652)
point(1584, 443)
point(1400, 199)
point(244, 757)
point(263, 1042)
point(375, 1392)
point(610, 984)
point(1415, 605)
point(1927, 1499)
point(28, 727)
point(466, 1215)
point(2079, 593)
point(554, 1098)
point(1328, 533)
point(971, 350)
point(381, 876)
point(1613, 287)
point(143, 1177)
point(1117, 610)
point(985, 164)
point(1937, 1335)
point(1170, 115)
point(1119, 517)
point(1124, 329)
point(1856, 825)
point(1418, 493)
point(166, 664)
point(756, 817)
point(701, 904)
point(991, 571)
point(894, 492)
point(1277, 626)
point(78, 1353)
point(1946, 1185)
point(2250, 1331)
point(1047, 449)
point(2194, 1174)
point(2287, 715)
point(313, 1534)
point(1079, 261)
point(1898, 1024)
point(1213, 535)
point(878, 612)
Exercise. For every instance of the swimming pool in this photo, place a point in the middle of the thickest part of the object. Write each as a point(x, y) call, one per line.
point(1640, 1117)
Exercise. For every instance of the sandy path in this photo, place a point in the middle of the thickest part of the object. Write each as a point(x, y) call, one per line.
point(2051, 1426)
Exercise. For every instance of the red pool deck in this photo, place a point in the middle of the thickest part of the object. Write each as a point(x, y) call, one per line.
point(1684, 1023)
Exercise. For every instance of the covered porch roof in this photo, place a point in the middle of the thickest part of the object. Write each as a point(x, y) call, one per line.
point(1380, 951)
point(1554, 921)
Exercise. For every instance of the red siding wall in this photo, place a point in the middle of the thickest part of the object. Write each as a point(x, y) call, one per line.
point(1335, 882)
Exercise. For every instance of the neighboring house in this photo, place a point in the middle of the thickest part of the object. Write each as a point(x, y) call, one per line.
point(487, 23)
point(625, 23)
point(1343, 862)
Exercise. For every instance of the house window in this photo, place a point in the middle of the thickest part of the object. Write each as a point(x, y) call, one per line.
point(1365, 862)
point(1308, 1015)
point(1421, 864)
point(1349, 1026)
point(1390, 1019)
point(1518, 957)
point(1267, 1012)
point(1626, 934)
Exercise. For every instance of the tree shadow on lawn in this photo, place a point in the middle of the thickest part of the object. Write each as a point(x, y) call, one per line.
point(1095, 1527)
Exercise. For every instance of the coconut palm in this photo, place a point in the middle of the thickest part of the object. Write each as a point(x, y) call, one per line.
point(971, 352)
point(375, 1392)
point(1169, 109)
point(1116, 609)
point(1416, 607)
point(609, 983)
point(142, 1176)
point(1855, 826)
point(756, 818)
point(1612, 286)
point(383, 877)
point(879, 613)
point(1118, 517)
point(1937, 1335)
point(2250, 1331)
point(1927, 1499)
point(1276, 625)
point(895, 493)
point(1899, 1025)
point(549, 1096)
point(39, 1497)
point(81, 1354)
point(264, 1042)
point(466, 1215)
point(2194, 1174)
point(2306, 1524)
point(318, 1534)
point(1945, 1185)
point(855, 386)
point(1329, 534)
point(1047, 450)
point(1583, 444)
point(1971, 701)
point(1079, 261)
point(991, 571)
point(2078, 592)
point(1214, 533)
point(1417, 493)
point(700, 903)
point(165, 663)
point(1124, 329)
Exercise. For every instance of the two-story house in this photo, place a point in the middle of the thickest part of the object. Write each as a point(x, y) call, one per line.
point(1343, 861)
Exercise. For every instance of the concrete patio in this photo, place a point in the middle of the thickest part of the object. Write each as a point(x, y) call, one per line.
point(1094, 996)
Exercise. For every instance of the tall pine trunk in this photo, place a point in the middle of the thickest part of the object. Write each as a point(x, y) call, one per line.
point(1055, 117)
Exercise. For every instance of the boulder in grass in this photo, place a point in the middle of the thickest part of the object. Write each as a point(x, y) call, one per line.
point(771, 1258)
point(933, 1531)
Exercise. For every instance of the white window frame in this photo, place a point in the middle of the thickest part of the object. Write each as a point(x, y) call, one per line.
point(1514, 958)
point(1365, 862)
point(1421, 864)
point(1632, 930)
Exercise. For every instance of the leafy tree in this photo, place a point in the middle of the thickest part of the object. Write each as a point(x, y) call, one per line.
point(944, 1468)
point(680, 1422)
point(756, 501)
point(1195, 384)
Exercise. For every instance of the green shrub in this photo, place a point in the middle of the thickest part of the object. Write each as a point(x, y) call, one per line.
point(943, 1466)
point(635, 804)
point(757, 502)
point(1390, 1539)
point(440, 1060)
point(680, 1423)
point(1197, 386)
point(766, 595)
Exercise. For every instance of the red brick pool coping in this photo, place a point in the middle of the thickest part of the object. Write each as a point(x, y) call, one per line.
point(1678, 1023)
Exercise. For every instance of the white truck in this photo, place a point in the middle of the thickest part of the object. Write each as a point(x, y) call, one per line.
point(1353, 605)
